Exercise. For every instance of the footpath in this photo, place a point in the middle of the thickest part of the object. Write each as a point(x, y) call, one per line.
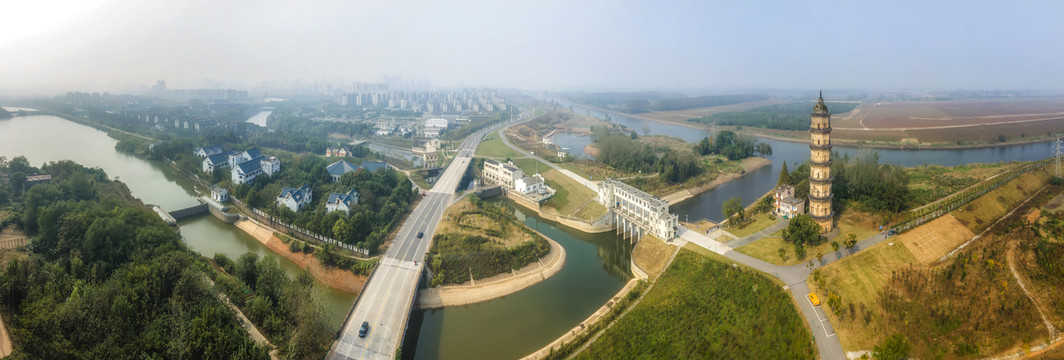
point(5, 341)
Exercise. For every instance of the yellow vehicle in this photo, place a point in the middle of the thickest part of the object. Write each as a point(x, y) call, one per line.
point(814, 299)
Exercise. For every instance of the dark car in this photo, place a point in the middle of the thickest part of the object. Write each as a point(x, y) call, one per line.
point(420, 234)
point(364, 329)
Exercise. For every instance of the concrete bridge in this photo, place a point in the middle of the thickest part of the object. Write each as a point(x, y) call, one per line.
point(636, 212)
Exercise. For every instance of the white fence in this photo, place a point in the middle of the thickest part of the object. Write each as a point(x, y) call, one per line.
point(312, 235)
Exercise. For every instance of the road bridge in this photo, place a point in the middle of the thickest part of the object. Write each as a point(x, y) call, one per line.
point(388, 298)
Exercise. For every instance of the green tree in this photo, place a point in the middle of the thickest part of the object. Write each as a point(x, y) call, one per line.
point(785, 176)
point(802, 230)
point(834, 246)
point(764, 149)
point(896, 347)
point(340, 230)
point(246, 268)
point(732, 209)
point(782, 253)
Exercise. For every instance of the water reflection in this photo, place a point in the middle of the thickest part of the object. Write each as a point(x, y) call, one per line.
point(596, 267)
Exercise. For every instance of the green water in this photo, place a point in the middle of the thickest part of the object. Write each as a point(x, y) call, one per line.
point(596, 267)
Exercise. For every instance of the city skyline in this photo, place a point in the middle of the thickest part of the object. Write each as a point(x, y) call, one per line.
point(58, 46)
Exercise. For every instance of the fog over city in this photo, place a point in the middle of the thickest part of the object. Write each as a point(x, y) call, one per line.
point(114, 45)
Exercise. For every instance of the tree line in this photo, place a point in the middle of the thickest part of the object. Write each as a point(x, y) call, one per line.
point(793, 116)
point(105, 278)
point(384, 197)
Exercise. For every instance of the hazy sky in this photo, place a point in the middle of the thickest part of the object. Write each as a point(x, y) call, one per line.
point(59, 45)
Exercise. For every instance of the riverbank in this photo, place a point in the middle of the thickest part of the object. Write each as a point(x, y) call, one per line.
point(748, 165)
point(335, 278)
point(896, 146)
point(496, 286)
point(836, 140)
point(579, 329)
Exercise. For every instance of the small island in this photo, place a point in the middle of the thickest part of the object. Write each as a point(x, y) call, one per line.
point(482, 251)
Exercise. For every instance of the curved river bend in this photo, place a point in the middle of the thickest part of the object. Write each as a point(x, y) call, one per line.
point(753, 185)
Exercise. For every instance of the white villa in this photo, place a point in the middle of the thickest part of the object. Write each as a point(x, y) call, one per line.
point(341, 202)
point(250, 164)
point(295, 199)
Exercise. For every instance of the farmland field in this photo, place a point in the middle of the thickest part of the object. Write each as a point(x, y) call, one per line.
point(939, 114)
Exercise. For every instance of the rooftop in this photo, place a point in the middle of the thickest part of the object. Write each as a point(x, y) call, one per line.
point(341, 167)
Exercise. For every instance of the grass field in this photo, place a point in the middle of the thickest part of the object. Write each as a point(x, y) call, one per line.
point(590, 212)
point(967, 305)
point(531, 166)
point(493, 147)
point(932, 182)
point(476, 224)
point(980, 213)
point(760, 221)
point(858, 279)
point(572, 198)
point(861, 224)
point(651, 254)
point(767, 249)
point(703, 308)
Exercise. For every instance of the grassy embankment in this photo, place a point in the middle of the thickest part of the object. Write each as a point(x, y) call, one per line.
point(571, 197)
point(966, 305)
point(478, 239)
point(493, 147)
point(738, 314)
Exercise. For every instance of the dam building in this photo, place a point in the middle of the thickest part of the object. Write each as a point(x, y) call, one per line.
point(635, 212)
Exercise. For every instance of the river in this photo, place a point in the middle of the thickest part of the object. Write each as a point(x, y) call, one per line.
point(48, 138)
point(509, 327)
point(260, 118)
point(596, 267)
point(753, 185)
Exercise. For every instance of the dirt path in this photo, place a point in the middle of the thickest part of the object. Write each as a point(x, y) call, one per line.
point(5, 341)
point(253, 331)
point(519, 280)
point(1012, 261)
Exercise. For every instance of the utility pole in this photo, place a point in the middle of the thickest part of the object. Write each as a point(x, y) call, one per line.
point(1057, 145)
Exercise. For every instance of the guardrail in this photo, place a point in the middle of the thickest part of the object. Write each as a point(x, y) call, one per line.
point(924, 215)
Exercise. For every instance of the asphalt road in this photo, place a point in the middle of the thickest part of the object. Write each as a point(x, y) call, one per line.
point(387, 300)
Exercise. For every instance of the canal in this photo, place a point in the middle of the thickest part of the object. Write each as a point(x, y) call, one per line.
point(596, 267)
